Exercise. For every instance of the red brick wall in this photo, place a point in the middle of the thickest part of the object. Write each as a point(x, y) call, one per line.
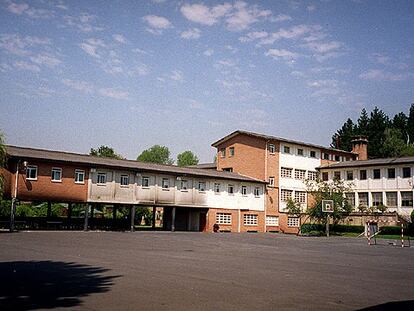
point(6, 182)
point(43, 189)
point(234, 227)
point(249, 156)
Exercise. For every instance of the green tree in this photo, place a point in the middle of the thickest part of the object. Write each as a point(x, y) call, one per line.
point(328, 190)
point(408, 151)
point(156, 154)
point(363, 123)
point(378, 123)
point(343, 137)
point(393, 145)
point(410, 125)
point(187, 158)
point(399, 122)
point(105, 152)
point(293, 208)
point(2, 162)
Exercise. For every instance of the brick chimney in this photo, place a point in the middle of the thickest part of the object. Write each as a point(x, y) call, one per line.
point(360, 146)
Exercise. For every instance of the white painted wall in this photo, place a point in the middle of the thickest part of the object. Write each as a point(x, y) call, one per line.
point(135, 193)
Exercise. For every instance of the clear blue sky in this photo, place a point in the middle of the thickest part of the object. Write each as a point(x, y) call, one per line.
point(131, 74)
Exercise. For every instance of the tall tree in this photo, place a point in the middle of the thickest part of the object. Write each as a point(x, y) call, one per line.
point(394, 144)
point(399, 122)
point(410, 125)
point(343, 137)
point(105, 152)
point(378, 123)
point(156, 154)
point(2, 161)
point(363, 123)
point(187, 158)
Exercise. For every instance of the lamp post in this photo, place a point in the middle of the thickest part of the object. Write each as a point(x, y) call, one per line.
point(14, 198)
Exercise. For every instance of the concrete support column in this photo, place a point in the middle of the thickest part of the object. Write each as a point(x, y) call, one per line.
point(69, 215)
point(154, 210)
point(49, 209)
point(13, 213)
point(173, 219)
point(133, 218)
point(85, 224)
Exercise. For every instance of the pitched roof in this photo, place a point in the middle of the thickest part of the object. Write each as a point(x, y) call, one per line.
point(93, 161)
point(206, 166)
point(372, 162)
point(269, 137)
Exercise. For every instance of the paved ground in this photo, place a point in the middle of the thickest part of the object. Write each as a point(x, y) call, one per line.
point(197, 271)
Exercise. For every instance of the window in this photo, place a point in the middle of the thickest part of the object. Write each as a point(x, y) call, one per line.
point(377, 198)
point(286, 172)
point(300, 174)
point(300, 197)
point(145, 182)
point(377, 173)
point(79, 176)
point(230, 189)
point(231, 151)
point(201, 186)
point(272, 148)
point(285, 195)
point(31, 173)
point(391, 173)
point(337, 175)
point(325, 176)
point(228, 169)
point(272, 221)
point(244, 190)
point(326, 156)
point(300, 152)
point(223, 152)
point(406, 172)
point(349, 175)
point(184, 184)
point(406, 199)
point(165, 183)
point(293, 222)
point(363, 174)
point(223, 218)
point(216, 188)
point(101, 178)
point(313, 154)
point(337, 158)
point(391, 199)
point(312, 175)
point(256, 191)
point(363, 199)
point(286, 149)
point(271, 181)
point(124, 180)
point(57, 174)
point(250, 219)
point(350, 197)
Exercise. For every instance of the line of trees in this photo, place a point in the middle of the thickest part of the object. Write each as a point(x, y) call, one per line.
point(387, 137)
point(156, 154)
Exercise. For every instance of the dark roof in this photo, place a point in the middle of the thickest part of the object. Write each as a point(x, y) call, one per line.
point(93, 161)
point(206, 166)
point(268, 137)
point(373, 162)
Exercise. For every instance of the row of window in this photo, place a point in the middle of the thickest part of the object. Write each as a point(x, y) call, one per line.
point(297, 196)
point(376, 173)
point(377, 198)
point(56, 174)
point(286, 172)
point(252, 220)
point(223, 152)
point(183, 185)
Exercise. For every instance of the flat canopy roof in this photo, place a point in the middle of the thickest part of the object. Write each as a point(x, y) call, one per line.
point(268, 137)
point(372, 162)
point(94, 161)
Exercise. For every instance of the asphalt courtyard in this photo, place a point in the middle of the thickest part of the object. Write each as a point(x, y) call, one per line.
point(199, 271)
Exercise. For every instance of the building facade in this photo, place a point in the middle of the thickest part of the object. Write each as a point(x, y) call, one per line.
point(283, 164)
point(193, 199)
point(384, 183)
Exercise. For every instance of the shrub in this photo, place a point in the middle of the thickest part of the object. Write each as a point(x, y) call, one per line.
point(311, 228)
point(390, 230)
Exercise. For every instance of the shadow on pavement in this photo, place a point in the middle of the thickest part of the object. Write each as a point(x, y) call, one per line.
point(393, 305)
point(28, 285)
